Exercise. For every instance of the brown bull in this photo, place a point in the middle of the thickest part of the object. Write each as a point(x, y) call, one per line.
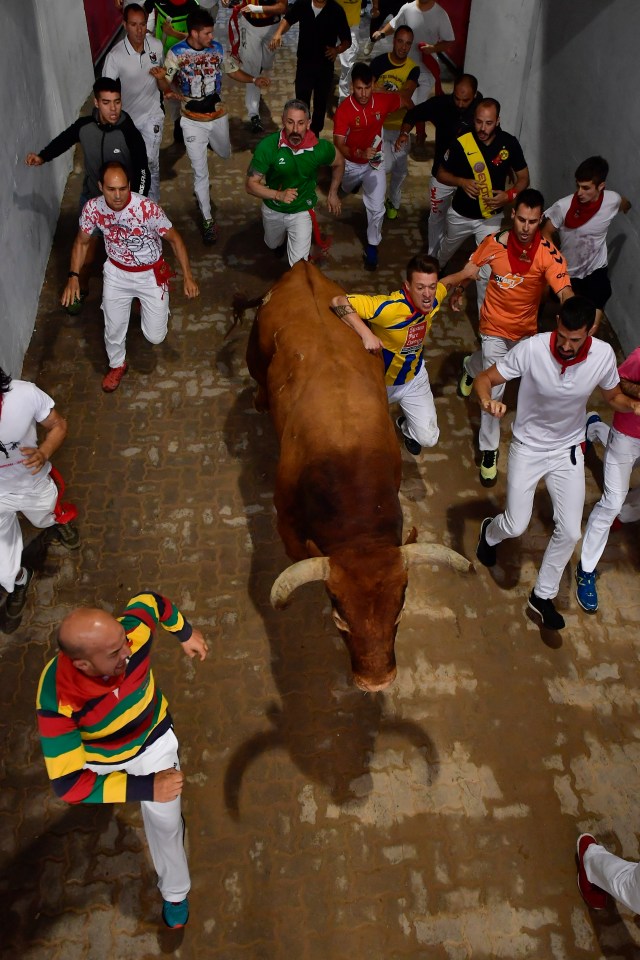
point(339, 471)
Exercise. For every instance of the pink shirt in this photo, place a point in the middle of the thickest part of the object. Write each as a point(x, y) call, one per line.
point(629, 423)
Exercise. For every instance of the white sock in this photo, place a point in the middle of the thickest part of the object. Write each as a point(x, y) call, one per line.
point(21, 579)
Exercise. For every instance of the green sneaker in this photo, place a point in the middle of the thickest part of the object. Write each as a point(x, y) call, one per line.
point(392, 212)
point(489, 468)
point(465, 383)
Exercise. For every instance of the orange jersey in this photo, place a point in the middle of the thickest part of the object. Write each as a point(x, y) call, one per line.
point(510, 307)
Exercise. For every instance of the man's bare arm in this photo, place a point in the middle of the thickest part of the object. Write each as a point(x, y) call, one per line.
point(343, 309)
point(483, 385)
point(630, 388)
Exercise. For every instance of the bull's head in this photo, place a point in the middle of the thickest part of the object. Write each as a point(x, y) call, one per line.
point(367, 591)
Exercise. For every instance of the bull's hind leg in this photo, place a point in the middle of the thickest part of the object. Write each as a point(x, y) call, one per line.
point(258, 366)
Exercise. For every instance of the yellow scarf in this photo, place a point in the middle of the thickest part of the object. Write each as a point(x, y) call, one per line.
point(480, 172)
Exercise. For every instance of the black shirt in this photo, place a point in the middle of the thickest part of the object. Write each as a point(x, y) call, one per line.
point(449, 122)
point(503, 157)
point(328, 29)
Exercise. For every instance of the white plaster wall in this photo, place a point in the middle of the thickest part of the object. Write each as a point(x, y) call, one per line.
point(566, 74)
point(45, 76)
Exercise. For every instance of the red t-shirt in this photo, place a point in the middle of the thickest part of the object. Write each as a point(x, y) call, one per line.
point(361, 125)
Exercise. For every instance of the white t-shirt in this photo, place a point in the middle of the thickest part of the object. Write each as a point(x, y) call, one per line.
point(23, 406)
point(585, 248)
point(552, 405)
point(131, 236)
point(429, 27)
point(140, 94)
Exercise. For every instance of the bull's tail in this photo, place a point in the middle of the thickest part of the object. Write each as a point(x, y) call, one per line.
point(239, 306)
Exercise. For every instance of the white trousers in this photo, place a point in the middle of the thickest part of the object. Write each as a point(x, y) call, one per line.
point(36, 503)
point(457, 229)
point(347, 60)
point(374, 188)
point(440, 196)
point(162, 821)
point(618, 877)
point(119, 289)
point(297, 228)
point(255, 56)
point(416, 402)
point(621, 455)
point(396, 163)
point(564, 480)
point(492, 350)
point(198, 135)
point(151, 130)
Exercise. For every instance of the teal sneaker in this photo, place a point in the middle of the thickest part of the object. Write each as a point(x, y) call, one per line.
point(175, 915)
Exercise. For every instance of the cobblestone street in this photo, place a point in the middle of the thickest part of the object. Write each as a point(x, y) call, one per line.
point(434, 821)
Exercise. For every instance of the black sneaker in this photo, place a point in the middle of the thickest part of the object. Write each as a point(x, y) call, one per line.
point(485, 553)
point(412, 445)
point(209, 232)
point(63, 533)
point(547, 612)
point(466, 382)
point(256, 124)
point(17, 599)
point(489, 468)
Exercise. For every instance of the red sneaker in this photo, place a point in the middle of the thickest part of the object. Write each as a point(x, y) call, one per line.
point(594, 897)
point(112, 379)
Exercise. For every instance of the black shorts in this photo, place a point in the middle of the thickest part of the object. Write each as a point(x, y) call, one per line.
point(595, 286)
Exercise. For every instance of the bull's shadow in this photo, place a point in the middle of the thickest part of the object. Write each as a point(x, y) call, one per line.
point(326, 725)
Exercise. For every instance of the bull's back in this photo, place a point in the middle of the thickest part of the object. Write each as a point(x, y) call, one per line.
point(339, 468)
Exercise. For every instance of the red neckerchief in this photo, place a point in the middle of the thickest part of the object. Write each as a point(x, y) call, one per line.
point(521, 256)
point(579, 357)
point(74, 688)
point(308, 142)
point(580, 213)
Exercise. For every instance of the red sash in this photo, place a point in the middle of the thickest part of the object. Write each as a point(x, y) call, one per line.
point(432, 65)
point(580, 213)
point(521, 256)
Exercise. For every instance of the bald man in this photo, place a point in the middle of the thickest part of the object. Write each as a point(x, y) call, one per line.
point(106, 731)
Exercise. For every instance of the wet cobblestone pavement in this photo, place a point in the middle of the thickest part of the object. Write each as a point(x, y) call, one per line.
point(436, 820)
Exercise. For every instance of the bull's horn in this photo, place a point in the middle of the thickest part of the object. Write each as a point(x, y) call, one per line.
point(437, 552)
point(305, 571)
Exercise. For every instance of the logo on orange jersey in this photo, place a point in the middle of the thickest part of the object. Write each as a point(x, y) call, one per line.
point(509, 281)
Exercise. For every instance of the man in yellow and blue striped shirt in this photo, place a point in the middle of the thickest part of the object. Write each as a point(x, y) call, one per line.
point(397, 325)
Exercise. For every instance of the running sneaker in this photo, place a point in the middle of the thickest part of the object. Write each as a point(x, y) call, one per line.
point(594, 897)
point(209, 231)
point(175, 915)
point(63, 533)
point(111, 381)
point(466, 382)
point(586, 593)
point(485, 553)
point(392, 212)
point(412, 445)
point(17, 599)
point(370, 257)
point(546, 611)
point(489, 468)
